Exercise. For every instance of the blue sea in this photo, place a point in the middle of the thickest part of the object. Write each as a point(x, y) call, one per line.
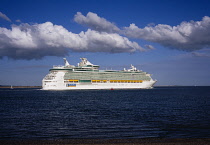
point(161, 112)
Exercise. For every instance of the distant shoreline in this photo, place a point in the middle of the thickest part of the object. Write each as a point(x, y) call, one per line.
point(21, 86)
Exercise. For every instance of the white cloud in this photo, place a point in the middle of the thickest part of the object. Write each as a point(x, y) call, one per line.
point(150, 47)
point(187, 36)
point(204, 53)
point(3, 16)
point(95, 22)
point(35, 41)
point(198, 54)
point(19, 21)
point(38, 40)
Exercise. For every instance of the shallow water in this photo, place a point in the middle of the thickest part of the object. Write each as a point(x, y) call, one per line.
point(163, 112)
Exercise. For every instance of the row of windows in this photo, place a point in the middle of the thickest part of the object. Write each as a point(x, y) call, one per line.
point(103, 81)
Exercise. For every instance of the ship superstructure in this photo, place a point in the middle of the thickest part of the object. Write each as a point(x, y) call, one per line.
point(88, 76)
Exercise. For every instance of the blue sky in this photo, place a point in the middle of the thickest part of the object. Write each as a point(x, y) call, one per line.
point(169, 39)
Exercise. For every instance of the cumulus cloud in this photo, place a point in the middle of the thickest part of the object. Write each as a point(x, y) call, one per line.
point(35, 41)
point(95, 22)
point(3, 16)
point(187, 36)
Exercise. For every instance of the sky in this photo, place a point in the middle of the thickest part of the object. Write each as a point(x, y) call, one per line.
point(168, 39)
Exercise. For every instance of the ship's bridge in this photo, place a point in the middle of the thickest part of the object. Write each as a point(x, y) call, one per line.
point(85, 64)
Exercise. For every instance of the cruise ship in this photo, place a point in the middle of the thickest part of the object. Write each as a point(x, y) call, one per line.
point(88, 76)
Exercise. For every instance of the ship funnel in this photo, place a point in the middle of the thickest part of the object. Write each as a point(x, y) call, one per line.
point(66, 62)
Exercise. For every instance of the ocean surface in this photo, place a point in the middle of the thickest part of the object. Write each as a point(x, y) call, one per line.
point(161, 112)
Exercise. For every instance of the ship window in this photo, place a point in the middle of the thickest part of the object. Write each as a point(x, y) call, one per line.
point(85, 81)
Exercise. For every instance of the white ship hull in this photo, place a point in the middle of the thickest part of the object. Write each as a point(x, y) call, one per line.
point(144, 85)
point(58, 84)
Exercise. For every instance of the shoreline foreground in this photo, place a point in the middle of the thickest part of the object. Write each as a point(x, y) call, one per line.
point(144, 141)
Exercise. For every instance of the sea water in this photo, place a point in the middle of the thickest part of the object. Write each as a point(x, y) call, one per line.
point(161, 112)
